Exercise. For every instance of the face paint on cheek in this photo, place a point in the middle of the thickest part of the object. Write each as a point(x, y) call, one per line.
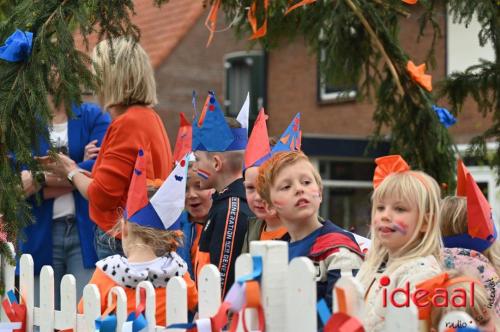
point(400, 227)
point(278, 204)
point(203, 174)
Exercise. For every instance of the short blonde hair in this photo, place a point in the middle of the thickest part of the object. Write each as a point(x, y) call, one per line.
point(413, 188)
point(453, 216)
point(271, 168)
point(125, 74)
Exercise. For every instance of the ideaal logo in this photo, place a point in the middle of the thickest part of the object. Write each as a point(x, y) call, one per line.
point(438, 297)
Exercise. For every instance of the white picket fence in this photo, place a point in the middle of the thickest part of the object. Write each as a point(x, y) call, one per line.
point(288, 296)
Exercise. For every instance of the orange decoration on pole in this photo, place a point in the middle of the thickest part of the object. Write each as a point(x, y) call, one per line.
point(261, 31)
point(211, 21)
point(298, 4)
point(410, 2)
point(417, 73)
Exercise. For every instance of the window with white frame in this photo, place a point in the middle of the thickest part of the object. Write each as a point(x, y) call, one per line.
point(328, 92)
point(347, 189)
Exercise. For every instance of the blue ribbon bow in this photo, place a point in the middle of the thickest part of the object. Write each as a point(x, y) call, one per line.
point(445, 117)
point(17, 47)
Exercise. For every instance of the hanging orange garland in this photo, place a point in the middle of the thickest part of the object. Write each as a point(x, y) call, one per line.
point(261, 31)
point(298, 4)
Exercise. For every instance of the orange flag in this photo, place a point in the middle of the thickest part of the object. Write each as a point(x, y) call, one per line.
point(184, 138)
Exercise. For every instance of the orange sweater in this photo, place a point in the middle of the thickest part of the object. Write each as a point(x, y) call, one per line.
point(138, 127)
point(104, 282)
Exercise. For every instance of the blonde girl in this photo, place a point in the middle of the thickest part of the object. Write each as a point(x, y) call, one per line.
point(405, 235)
point(483, 266)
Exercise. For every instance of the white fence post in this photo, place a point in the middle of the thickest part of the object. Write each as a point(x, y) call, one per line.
point(118, 294)
point(243, 266)
point(150, 314)
point(273, 283)
point(27, 288)
point(91, 306)
point(9, 272)
point(177, 307)
point(45, 317)
point(209, 291)
point(301, 296)
point(353, 291)
point(66, 317)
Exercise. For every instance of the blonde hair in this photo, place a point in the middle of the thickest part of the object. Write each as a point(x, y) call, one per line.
point(271, 168)
point(414, 188)
point(453, 216)
point(161, 241)
point(125, 73)
point(454, 222)
point(480, 312)
point(493, 255)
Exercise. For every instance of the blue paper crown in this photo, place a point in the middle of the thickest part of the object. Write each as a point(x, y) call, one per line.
point(468, 242)
point(214, 134)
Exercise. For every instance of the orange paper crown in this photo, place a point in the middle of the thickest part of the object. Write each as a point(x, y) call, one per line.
point(258, 147)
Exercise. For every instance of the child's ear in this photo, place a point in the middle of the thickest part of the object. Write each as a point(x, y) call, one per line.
point(217, 162)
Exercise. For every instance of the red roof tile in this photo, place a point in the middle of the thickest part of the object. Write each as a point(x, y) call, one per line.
point(161, 28)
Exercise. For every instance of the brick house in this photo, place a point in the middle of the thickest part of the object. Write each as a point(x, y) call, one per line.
point(288, 80)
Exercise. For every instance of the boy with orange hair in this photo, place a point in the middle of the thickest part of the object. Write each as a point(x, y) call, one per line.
point(291, 186)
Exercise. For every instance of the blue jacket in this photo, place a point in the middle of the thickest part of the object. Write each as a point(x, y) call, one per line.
point(87, 124)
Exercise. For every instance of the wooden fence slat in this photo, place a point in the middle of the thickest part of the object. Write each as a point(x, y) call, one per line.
point(118, 294)
point(27, 288)
point(46, 318)
point(150, 314)
point(209, 291)
point(177, 307)
point(301, 296)
point(91, 306)
point(242, 267)
point(66, 317)
point(273, 282)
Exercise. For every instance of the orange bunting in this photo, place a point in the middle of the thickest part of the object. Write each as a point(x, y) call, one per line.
point(261, 31)
point(211, 21)
point(388, 165)
point(410, 2)
point(417, 73)
point(298, 4)
point(441, 281)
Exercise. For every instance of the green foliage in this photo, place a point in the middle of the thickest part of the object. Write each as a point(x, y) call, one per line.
point(360, 41)
point(480, 82)
point(55, 67)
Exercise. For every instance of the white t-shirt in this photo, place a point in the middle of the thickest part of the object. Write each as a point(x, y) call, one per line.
point(63, 205)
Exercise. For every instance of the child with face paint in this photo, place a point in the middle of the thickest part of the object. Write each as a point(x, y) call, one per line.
point(198, 204)
point(218, 145)
point(292, 187)
point(405, 235)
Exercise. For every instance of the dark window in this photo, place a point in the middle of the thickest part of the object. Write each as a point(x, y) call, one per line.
point(328, 92)
point(245, 72)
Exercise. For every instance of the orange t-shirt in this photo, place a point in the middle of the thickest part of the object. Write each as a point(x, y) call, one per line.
point(138, 127)
point(273, 235)
point(105, 283)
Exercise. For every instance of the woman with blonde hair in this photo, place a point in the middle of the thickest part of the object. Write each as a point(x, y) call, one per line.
point(127, 90)
point(404, 232)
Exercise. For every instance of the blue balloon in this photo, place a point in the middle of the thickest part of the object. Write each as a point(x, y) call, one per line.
point(445, 117)
point(17, 47)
